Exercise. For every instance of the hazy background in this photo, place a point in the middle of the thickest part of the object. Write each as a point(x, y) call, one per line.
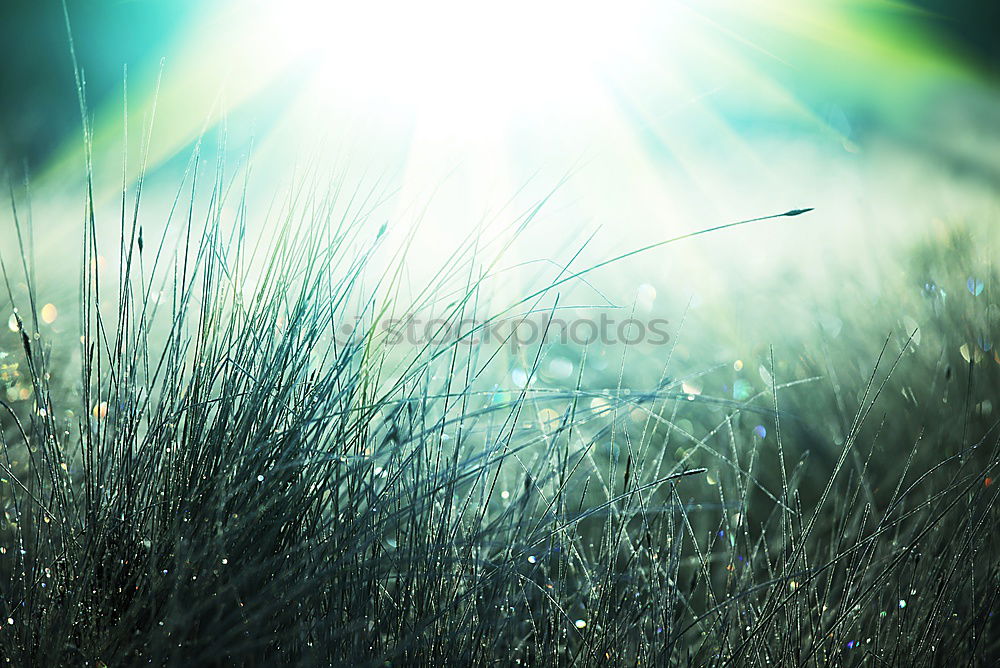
point(655, 119)
point(38, 103)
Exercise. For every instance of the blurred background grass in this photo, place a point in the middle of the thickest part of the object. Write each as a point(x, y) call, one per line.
point(881, 115)
point(677, 116)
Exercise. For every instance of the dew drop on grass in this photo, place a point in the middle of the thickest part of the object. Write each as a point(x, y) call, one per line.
point(599, 405)
point(12, 323)
point(741, 389)
point(519, 377)
point(548, 419)
point(760, 431)
point(902, 604)
point(691, 387)
point(260, 478)
point(532, 559)
point(580, 623)
point(560, 368)
point(738, 365)
point(970, 353)
point(49, 314)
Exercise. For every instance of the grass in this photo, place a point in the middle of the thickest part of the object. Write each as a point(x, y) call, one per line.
point(221, 471)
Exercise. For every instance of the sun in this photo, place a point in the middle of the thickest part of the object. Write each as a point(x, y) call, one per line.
point(459, 60)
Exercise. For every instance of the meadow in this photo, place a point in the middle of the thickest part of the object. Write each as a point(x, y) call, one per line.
point(226, 456)
point(533, 334)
